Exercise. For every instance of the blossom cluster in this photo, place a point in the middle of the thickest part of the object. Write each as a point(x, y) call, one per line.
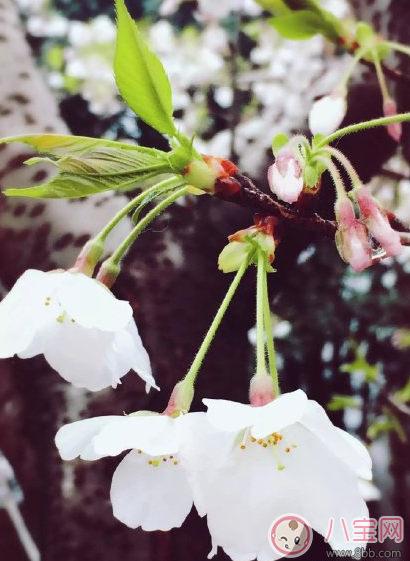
point(240, 465)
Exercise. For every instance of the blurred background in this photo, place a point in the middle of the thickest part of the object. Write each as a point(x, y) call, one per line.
point(341, 336)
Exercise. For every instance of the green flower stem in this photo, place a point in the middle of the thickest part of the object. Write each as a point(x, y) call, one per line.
point(269, 337)
point(354, 176)
point(336, 177)
point(359, 54)
point(203, 349)
point(102, 236)
point(381, 122)
point(130, 239)
point(380, 76)
point(260, 328)
point(397, 47)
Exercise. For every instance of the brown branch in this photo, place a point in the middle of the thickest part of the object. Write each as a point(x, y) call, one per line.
point(242, 191)
point(245, 194)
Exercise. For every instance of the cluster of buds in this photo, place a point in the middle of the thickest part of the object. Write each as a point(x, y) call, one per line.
point(242, 243)
point(212, 175)
point(353, 234)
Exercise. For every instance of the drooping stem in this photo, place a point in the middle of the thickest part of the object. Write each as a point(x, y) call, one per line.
point(169, 182)
point(397, 47)
point(381, 122)
point(269, 338)
point(336, 177)
point(356, 59)
point(203, 349)
point(338, 155)
point(143, 223)
point(260, 327)
point(380, 76)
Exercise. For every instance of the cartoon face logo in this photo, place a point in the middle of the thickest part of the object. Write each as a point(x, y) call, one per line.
point(290, 535)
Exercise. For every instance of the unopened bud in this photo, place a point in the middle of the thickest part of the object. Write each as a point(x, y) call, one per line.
point(352, 238)
point(395, 130)
point(285, 177)
point(377, 222)
point(327, 113)
point(204, 173)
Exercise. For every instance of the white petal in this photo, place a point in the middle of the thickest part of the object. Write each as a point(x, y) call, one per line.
point(84, 357)
point(23, 312)
point(75, 439)
point(153, 434)
point(285, 410)
point(91, 304)
point(150, 497)
point(243, 498)
point(344, 446)
point(229, 415)
point(132, 347)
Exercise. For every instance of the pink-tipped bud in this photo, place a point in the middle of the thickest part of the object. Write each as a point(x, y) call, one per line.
point(327, 113)
point(180, 399)
point(261, 390)
point(352, 238)
point(394, 129)
point(285, 177)
point(378, 223)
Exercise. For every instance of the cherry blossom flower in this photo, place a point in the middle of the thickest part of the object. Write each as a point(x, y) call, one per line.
point(352, 238)
point(258, 463)
point(327, 113)
point(378, 223)
point(86, 334)
point(149, 488)
point(285, 177)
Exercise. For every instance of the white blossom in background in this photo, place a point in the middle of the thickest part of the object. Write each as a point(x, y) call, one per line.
point(150, 488)
point(287, 455)
point(209, 10)
point(86, 334)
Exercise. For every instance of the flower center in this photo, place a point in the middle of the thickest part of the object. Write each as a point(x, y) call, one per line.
point(62, 316)
point(274, 442)
point(160, 460)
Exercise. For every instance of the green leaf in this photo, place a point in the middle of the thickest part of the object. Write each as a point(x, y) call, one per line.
point(140, 76)
point(403, 395)
point(311, 175)
point(360, 364)
point(297, 25)
point(274, 6)
point(341, 402)
point(317, 139)
point(87, 166)
point(69, 145)
point(279, 142)
point(303, 19)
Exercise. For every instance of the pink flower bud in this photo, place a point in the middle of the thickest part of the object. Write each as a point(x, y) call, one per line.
point(394, 129)
point(352, 239)
point(285, 177)
point(261, 390)
point(378, 223)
